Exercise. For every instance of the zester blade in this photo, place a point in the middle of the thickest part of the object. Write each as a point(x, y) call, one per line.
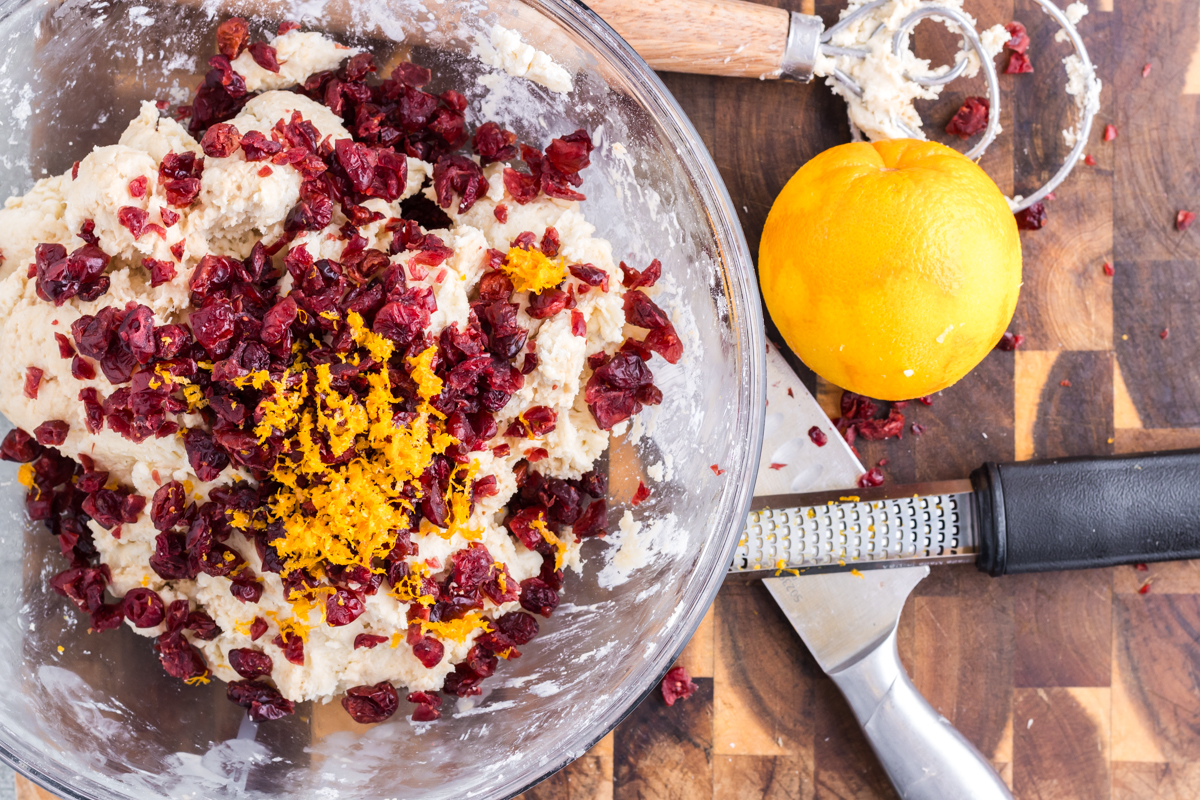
point(895, 526)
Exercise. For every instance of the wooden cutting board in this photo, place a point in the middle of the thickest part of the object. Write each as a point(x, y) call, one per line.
point(1075, 684)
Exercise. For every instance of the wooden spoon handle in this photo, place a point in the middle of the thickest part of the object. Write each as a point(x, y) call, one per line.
point(710, 37)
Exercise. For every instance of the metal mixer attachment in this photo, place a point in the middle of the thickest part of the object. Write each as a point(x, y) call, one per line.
point(807, 37)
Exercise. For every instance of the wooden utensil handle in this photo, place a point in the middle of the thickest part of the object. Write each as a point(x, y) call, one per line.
point(711, 37)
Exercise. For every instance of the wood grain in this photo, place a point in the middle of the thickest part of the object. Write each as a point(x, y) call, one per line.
point(1063, 628)
point(1060, 744)
point(665, 752)
point(731, 38)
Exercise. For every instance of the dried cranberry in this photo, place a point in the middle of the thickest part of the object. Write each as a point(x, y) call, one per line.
point(1034, 217)
point(1018, 63)
point(429, 651)
point(493, 143)
point(519, 627)
point(1184, 220)
point(970, 119)
point(550, 243)
point(292, 646)
point(132, 506)
point(61, 276)
point(220, 140)
point(257, 628)
point(571, 153)
point(213, 326)
point(82, 369)
point(258, 147)
point(343, 607)
point(143, 607)
point(202, 626)
point(65, 348)
point(643, 312)
point(870, 478)
point(137, 221)
point(136, 331)
point(232, 35)
point(263, 702)
point(93, 407)
point(52, 433)
point(160, 271)
point(633, 279)
point(94, 335)
point(461, 175)
point(640, 495)
point(84, 586)
point(207, 460)
point(179, 658)
point(312, 213)
point(540, 419)
point(367, 704)
point(137, 186)
point(579, 325)
point(246, 590)
point(20, 447)
point(524, 240)
point(106, 618)
point(677, 685)
point(1008, 342)
point(1110, 132)
point(611, 391)
point(590, 274)
point(249, 663)
point(427, 706)
point(368, 640)
point(264, 55)
point(538, 597)
point(522, 187)
point(1019, 39)
point(402, 321)
point(169, 218)
point(817, 436)
point(411, 75)
point(878, 429)
point(594, 483)
point(33, 380)
point(182, 192)
point(592, 521)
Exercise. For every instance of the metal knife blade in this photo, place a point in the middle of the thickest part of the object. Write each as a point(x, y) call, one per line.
point(893, 526)
point(840, 615)
point(849, 622)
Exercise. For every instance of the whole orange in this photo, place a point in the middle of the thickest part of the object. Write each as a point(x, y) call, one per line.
point(891, 268)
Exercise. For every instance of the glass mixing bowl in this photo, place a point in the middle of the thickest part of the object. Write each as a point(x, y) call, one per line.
point(101, 719)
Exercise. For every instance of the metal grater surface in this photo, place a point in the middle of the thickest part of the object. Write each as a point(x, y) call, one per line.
point(863, 528)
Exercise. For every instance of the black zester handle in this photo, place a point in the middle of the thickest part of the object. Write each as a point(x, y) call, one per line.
point(1078, 513)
